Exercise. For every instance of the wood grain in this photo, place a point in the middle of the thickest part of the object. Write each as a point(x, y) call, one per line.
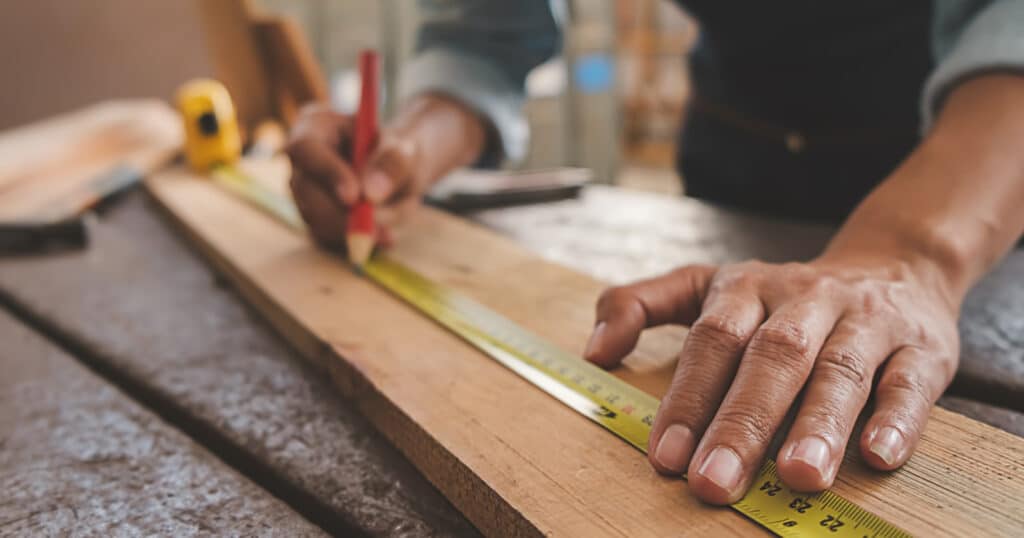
point(46, 162)
point(514, 461)
point(141, 307)
point(79, 457)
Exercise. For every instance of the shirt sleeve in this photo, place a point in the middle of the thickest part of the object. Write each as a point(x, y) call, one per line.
point(479, 52)
point(971, 37)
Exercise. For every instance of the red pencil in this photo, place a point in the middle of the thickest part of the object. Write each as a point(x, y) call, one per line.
point(361, 229)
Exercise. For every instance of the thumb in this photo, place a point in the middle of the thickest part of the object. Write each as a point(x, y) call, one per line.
point(389, 170)
point(624, 312)
point(377, 185)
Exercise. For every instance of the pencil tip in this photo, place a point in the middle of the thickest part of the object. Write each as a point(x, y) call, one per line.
point(360, 246)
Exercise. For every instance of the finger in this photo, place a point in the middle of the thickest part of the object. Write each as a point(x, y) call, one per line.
point(389, 171)
point(913, 379)
point(706, 365)
point(385, 239)
point(771, 373)
point(315, 160)
point(323, 215)
point(837, 390)
point(317, 121)
point(624, 311)
point(390, 215)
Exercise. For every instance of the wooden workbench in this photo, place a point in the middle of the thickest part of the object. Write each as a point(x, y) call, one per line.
point(212, 368)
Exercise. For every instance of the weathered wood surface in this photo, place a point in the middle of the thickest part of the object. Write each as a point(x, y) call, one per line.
point(46, 163)
point(66, 290)
point(618, 236)
point(536, 466)
point(145, 309)
point(992, 338)
point(79, 457)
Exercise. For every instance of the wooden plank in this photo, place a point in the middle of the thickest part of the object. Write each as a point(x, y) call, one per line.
point(145, 308)
point(46, 162)
point(992, 337)
point(510, 458)
point(134, 262)
point(78, 456)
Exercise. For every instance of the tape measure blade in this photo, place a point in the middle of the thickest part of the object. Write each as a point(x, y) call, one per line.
point(259, 195)
point(614, 404)
point(522, 352)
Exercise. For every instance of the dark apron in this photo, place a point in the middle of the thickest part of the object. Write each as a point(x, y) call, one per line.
point(801, 107)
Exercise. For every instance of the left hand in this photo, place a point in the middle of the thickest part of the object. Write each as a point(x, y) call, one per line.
point(760, 334)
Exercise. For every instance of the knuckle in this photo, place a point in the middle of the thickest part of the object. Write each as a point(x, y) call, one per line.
point(687, 407)
point(301, 149)
point(845, 364)
point(906, 381)
point(877, 300)
point(392, 162)
point(830, 418)
point(613, 296)
point(871, 302)
point(822, 285)
point(740, 276)
point(719, 329)
point(398, 148)
point(315, 112)
point(749, 425)
point(788, 342)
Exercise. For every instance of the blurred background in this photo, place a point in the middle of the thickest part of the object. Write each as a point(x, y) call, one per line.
point(611, 102)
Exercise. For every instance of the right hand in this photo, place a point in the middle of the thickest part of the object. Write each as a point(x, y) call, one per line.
point(324, 183)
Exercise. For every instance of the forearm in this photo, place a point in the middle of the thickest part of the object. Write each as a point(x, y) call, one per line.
point(445, 133)
point(954, 207)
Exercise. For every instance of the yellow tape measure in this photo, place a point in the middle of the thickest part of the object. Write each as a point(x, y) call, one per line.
point(594, 393)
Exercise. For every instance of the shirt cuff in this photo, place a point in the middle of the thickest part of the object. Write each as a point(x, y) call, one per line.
point(993, 41)
point(477, 84)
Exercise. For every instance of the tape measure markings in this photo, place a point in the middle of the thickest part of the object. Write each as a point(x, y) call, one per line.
point(594, 393)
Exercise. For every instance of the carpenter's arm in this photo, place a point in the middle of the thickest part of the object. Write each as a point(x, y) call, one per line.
point(460, 103)
point(884, 296)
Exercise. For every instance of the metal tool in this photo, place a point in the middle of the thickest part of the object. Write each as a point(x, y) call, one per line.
point(59, 224)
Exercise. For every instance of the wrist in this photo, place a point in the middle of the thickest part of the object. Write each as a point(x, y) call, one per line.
point(445, 134)
point(926, 249)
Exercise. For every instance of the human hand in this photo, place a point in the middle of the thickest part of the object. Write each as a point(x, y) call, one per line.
point(760, 333)
point(325, 185)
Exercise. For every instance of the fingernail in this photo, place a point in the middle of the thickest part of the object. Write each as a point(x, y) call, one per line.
point(673, 452)
point(722, 467)
point(377, 186)
point(887, 444)
point(593, 343)
point(812, 451)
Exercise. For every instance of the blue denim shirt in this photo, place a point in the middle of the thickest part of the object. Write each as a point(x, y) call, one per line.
point(480, 51)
